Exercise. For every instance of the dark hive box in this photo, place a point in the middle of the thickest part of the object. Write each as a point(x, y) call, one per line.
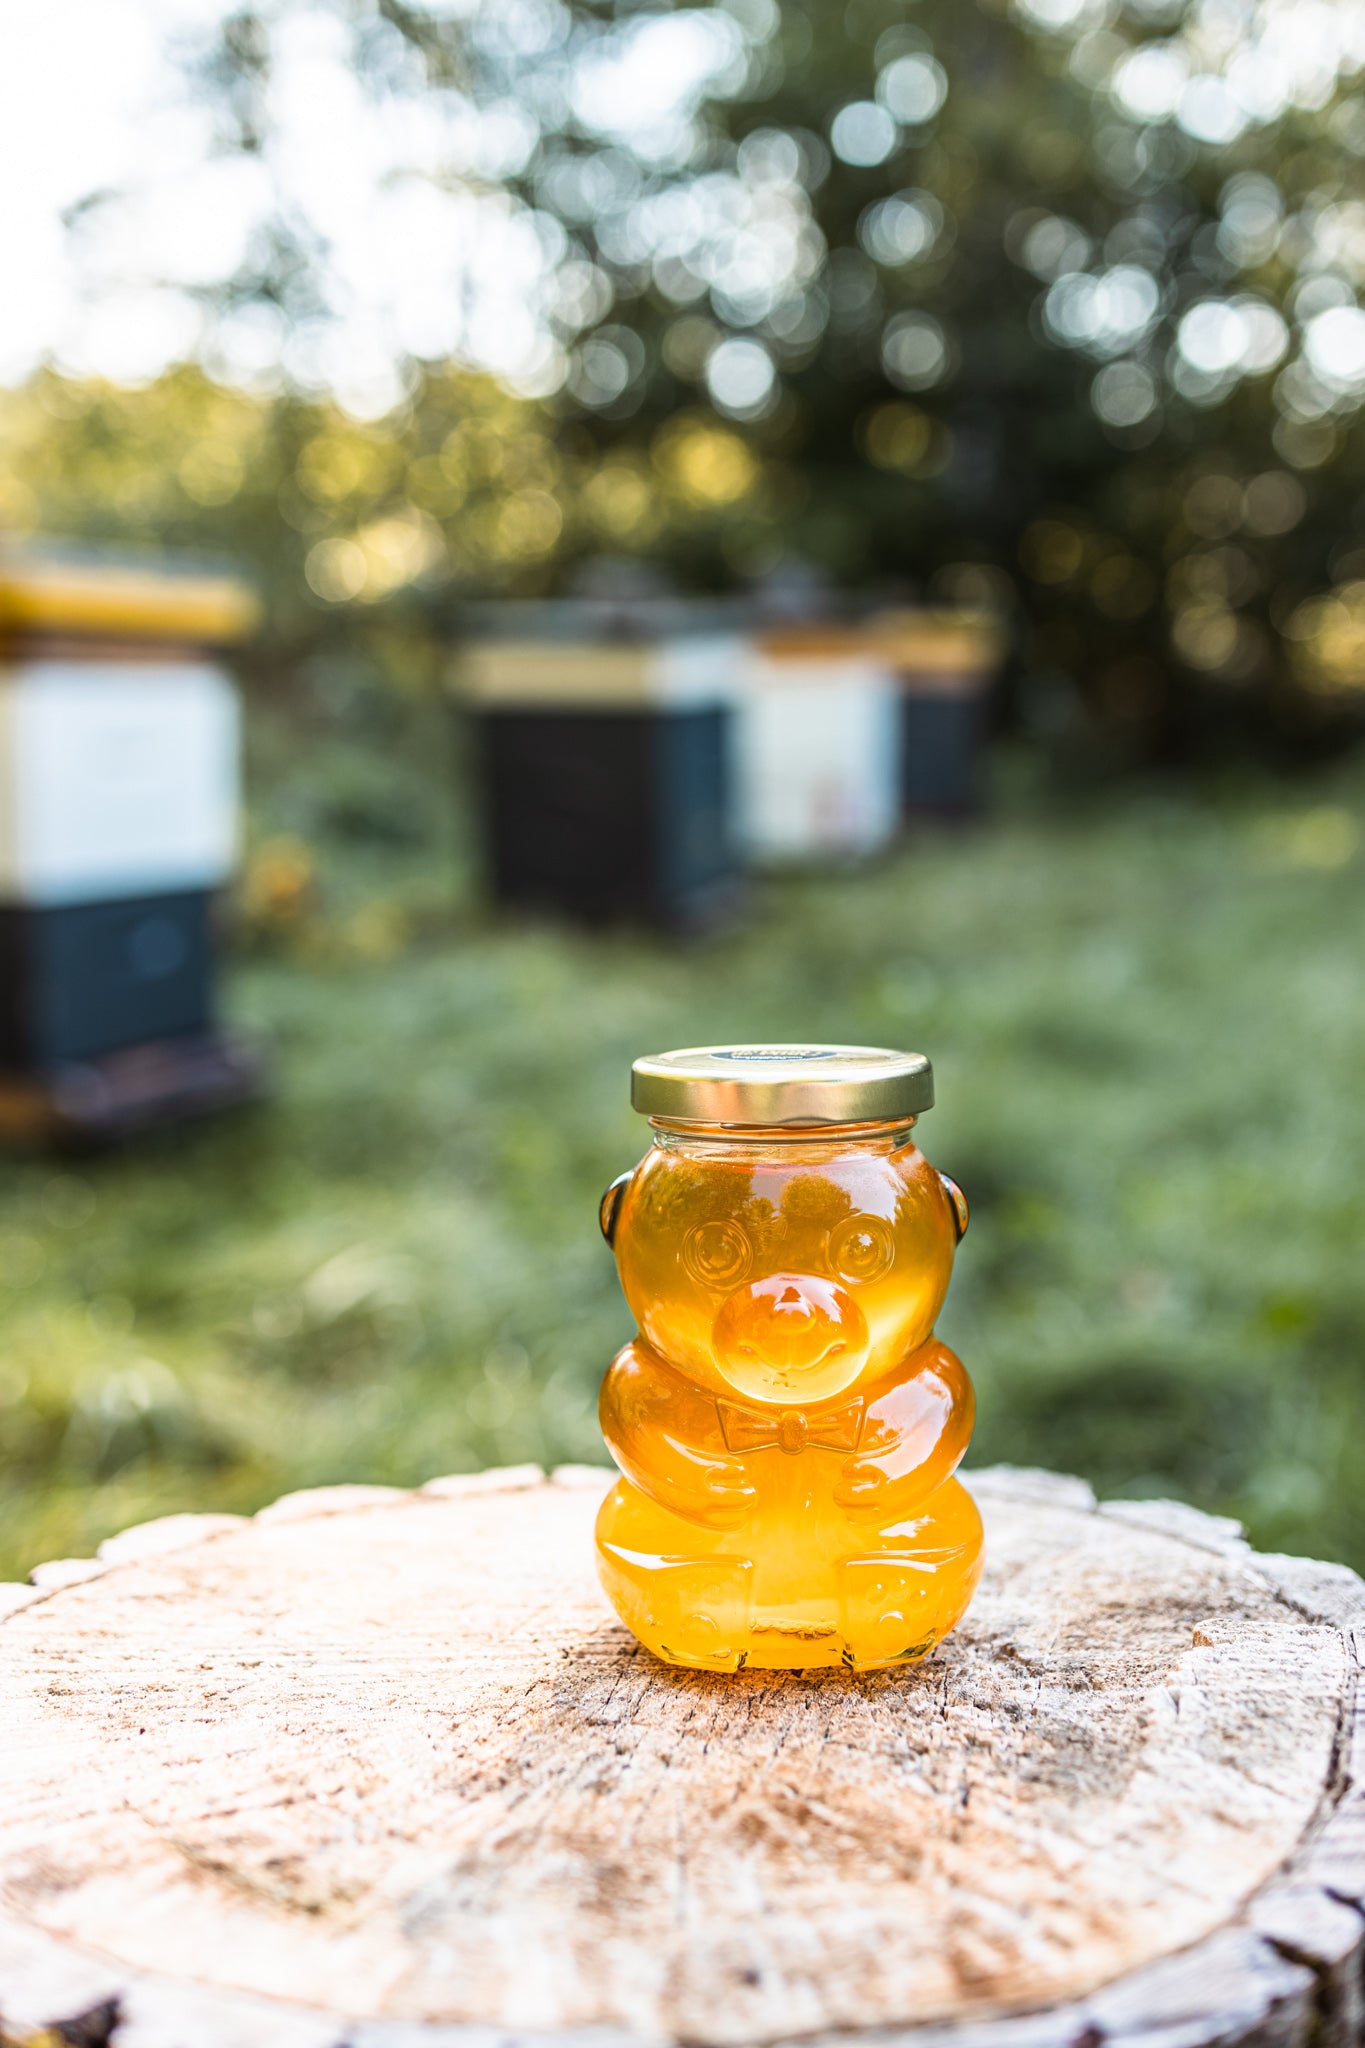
point(604, 776)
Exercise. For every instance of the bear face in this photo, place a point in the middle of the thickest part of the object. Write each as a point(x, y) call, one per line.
point(790, 1273)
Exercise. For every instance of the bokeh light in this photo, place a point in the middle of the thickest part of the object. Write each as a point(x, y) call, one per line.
point(740, 377)
point(862, 133)
point(913, 88)
point(914, 351)
point(901, 229)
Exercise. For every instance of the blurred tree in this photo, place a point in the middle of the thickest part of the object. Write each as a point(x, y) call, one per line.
point(1055, 300)
point(1048, 303)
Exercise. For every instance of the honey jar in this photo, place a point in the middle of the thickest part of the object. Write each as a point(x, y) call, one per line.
point(786, 1423)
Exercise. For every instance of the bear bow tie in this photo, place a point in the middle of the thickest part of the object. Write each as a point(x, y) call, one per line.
point(789, 1429)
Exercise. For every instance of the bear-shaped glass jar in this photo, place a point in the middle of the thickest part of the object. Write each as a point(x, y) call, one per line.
point(786, 1423)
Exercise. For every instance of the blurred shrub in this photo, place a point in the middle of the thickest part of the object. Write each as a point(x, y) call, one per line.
point(276, 895)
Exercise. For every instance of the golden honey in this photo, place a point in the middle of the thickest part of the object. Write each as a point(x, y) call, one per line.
point(786, 1423)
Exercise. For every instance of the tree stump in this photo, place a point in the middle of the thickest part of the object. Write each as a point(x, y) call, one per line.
point(380, 1770)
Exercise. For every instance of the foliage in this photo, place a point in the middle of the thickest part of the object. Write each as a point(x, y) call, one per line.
point(1050, 303)
point(363, 534)
point(1020, 346)
point(394, 1268)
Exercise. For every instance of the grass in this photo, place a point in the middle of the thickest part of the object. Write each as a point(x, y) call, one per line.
point(1148, 1027)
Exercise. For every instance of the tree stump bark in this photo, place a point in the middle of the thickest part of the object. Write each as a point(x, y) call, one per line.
point(380, 1770)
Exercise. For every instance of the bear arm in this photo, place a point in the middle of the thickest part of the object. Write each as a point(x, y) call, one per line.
point(913, 1438)
point(665, 1435)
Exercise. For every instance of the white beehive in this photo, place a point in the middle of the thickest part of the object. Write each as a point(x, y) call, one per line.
point(119, 773)
point(120, 778)
point(818, 747)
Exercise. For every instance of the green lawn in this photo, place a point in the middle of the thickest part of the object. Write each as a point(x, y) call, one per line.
point(1148, 1026)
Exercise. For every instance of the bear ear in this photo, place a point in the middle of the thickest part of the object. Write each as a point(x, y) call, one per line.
point(958, 1203)
point(610, 1205)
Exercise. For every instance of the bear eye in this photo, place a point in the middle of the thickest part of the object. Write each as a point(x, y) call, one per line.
point(717, 1254)
point(861, 1248)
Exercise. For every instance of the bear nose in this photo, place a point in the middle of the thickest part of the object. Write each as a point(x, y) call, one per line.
point(792, 1322)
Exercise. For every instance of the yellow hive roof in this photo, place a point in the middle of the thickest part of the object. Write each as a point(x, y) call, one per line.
point(108, 600)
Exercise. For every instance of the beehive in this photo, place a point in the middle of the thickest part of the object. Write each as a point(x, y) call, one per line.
point(119, 743)
point(945, 664)
point(603, 770)
point(818, 768)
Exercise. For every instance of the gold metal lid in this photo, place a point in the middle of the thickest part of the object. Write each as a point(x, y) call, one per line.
point(782, 1084)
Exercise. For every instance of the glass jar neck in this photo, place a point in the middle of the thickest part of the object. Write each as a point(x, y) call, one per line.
point(792, 1140)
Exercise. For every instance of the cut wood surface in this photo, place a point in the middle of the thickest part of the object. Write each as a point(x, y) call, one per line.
point(380, 1770)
